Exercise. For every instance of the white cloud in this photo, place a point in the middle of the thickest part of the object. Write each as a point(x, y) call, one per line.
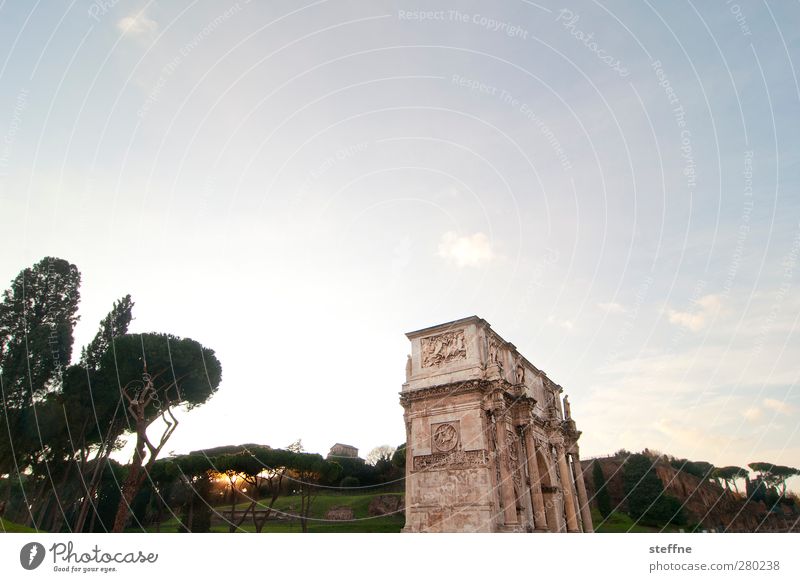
point(466, 251)
point(753, 414)
point(138, 25)
point(565, 323)
point(612, 307)
point(779, 406)
point(696, 320)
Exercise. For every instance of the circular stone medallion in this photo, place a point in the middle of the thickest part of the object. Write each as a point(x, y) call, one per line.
point(445, 437)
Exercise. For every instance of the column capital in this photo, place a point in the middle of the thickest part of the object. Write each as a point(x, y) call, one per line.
point(523, 411)
point(495, 402)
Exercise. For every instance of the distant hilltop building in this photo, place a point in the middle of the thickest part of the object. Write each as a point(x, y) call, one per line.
point(491, 446)
point(339, 450)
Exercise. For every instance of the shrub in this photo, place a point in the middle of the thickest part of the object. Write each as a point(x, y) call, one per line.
point(349, 482)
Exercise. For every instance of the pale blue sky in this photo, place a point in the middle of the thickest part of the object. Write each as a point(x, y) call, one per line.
point(298, 184)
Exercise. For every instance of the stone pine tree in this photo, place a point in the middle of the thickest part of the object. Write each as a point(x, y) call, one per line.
point(774, 476)
point(156, 373)
point(602, 495)
point(729, 475)
point(54, 414)
point(258, 470)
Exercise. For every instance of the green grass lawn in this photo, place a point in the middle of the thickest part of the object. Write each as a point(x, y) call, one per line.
point(622, 523)
point(362, 522)
point(11, 527)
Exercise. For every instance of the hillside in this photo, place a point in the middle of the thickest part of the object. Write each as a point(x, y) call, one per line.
point(705, 502)
point(11, 527)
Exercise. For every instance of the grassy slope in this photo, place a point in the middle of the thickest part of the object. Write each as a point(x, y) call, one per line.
point(622, 523)
point(363, 523)
point(11, 527)
point(359, 502)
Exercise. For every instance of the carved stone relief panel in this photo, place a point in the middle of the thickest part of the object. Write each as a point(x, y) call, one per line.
point(445, 436)
point(454, 460)
point(448, 488)
point(443, 348)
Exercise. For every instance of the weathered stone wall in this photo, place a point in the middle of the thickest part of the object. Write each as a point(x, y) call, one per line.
point(485, 432)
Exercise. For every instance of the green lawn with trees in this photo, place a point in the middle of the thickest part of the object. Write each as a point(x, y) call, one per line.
point(359, 502)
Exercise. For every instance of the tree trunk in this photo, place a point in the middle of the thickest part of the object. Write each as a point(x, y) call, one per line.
point(137, 406)
point(129, 491)
point(53, 516)
point(232, 527)
point(190, 518)
point(30, 521)
point(131, 487)
point(276, 491)
point(100, 460)
point(305, 506)
point(247, 510)
point(93, 521)
point(159, 513)
point(60, 517)
point(259, 523)
point(42, 510)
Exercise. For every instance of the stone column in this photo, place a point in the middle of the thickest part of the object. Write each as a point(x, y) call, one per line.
point(506, 483)
point(566, 490)
point(409, 504)
point(537, 499)
point(583, 499)
point(575, 503)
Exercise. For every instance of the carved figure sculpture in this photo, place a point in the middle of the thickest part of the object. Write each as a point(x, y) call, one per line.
point(445, 437)
point(443, 348)
point(520, 372)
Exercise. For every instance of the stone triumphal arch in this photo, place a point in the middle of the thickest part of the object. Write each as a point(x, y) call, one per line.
point(490, 444)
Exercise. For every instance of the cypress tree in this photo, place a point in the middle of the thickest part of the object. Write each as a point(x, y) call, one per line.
point(647, 502)
point(601, 490)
